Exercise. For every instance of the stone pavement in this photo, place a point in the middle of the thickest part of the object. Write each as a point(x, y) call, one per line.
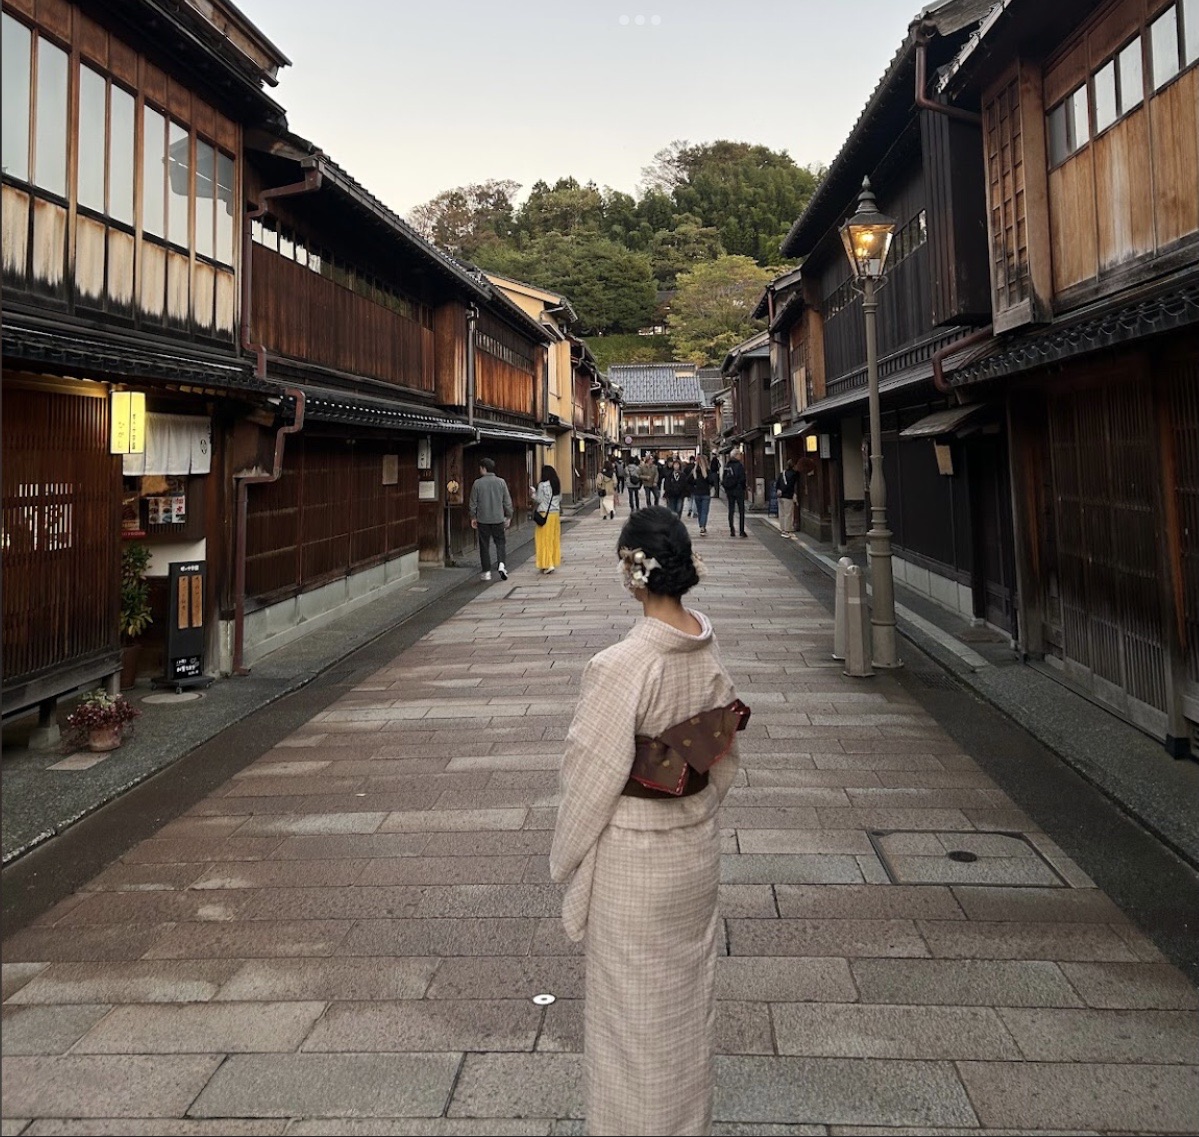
point(346, 937)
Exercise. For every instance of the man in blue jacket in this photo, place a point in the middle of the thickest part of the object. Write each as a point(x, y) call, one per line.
point(491, 514)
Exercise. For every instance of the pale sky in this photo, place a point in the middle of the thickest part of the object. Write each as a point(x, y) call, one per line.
point(416, 96)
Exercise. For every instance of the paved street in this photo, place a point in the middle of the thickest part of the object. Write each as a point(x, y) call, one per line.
point(346, 938)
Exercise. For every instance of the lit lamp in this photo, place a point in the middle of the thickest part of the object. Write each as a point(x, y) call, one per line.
point(127, 422)
point(867, 238)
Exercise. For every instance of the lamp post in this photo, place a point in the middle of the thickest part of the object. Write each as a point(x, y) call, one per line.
point(867, 238)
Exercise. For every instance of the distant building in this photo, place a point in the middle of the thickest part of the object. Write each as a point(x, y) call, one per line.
point(664, 408)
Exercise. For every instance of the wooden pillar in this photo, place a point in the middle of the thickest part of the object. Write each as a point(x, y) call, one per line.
point(1028, 469)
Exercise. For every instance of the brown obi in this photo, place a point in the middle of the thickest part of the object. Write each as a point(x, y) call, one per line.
point(676, 763)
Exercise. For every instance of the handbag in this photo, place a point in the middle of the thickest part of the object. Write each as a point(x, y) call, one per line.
point(698, 743)
point(541, 518)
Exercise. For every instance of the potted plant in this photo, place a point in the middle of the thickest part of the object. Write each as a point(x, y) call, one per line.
point(100, 720)
point(135, 608)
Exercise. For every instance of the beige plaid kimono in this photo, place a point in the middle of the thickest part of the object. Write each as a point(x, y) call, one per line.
point(643, 876)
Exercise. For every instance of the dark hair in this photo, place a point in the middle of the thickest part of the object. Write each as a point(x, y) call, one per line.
point(488, 464)
point(549, 474)
point(659, 534)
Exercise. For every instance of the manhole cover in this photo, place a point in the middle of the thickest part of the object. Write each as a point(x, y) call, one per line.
point(170, 698)
point(1006, 860)
point(544, 1000)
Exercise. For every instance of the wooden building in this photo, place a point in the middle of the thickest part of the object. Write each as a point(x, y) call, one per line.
point(1090, 118)
point(747, 371)
point(123, 167)
point(664, 411)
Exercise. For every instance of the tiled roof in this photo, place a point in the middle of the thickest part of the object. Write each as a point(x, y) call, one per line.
point(658, 384)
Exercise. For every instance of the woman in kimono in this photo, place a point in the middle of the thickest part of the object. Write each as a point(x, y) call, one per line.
point(644, 865)
point(605, 488)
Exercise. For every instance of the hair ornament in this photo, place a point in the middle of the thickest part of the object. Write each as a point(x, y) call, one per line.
point(701, 569)
point(635, 568)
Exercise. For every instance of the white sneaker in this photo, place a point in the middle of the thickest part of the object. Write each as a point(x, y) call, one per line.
point(503, 572)
point(548, 571)
point(484, 576)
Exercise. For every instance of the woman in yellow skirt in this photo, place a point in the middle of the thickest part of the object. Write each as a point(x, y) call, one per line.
point(547, 501)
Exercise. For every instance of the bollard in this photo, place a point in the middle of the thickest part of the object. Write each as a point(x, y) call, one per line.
point(839, 610)
point(857, 626)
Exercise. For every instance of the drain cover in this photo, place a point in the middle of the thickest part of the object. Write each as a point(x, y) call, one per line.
point(1005, 859)
point(169, 698)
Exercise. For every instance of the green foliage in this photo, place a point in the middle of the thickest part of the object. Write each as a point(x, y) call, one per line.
point(135, 591)
point(610, 350)
point(611, 253)
point(711, 312)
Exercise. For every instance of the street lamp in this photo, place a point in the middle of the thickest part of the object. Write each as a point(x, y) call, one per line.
point(867, 238)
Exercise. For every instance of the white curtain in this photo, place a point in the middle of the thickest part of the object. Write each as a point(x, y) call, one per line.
point(175, 444)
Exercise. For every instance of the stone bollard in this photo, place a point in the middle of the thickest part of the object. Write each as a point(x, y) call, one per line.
point(839, 610)
point(858, 652)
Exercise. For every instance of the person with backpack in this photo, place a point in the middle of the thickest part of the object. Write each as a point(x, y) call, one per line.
point(785, 486)
point(714, 469)
point(733, 481)
point(632, 478)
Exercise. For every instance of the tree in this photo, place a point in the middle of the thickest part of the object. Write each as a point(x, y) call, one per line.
point(677, 249)
point(711, 311)
point(666, 172)
point(462, 221)
point(564, 207)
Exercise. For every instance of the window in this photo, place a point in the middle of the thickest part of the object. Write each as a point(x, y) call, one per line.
point(179, 147)
point(1119, 86)
point(1163, 41)
point(50, 140)
point(205, 198)
point(121, 113)
point(908, 239)
point(226, 213)
point(104, 170)
point(14, 132)
point(93, 123)
point(1069, 128)
point(839, 299)
point(154, 202)
point(1190, 31)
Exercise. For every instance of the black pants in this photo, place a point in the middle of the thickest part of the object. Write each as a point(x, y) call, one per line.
point(634, 497)
point(652, 495)
point(488, 533)
point(736, 502)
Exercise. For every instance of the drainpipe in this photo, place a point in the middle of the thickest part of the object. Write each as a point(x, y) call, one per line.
point(974, 338)
point(923, 35)
point(244, 481)
point(472, 319)
point(311, 181)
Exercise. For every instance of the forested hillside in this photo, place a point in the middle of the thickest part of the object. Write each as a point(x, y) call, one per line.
point(692, 251)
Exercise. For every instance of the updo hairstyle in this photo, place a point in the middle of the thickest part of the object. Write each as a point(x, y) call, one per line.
point(660, 535)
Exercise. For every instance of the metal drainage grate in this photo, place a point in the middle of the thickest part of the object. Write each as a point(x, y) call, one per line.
point(997, 859)
point(936, 680)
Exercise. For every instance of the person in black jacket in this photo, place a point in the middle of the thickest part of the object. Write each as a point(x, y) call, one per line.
point(785, 484)
point(705, 482)
point(733, 481)
point(677, 487)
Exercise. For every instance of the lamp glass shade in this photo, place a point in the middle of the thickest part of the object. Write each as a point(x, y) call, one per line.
point(867, 237)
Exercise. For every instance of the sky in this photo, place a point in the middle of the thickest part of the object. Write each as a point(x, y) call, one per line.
point(413, 97)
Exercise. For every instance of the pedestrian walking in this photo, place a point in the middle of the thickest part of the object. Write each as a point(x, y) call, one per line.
point(733, 481)
point(689, 470)
point(547, 513)
point(491, 514)
point(618, 469)
point(632, 475)
point(644, 861)
point(703, 482)
point(650, 480)
point(786, 486)
point(677, 488)
point(605, 488)
point(715, 468)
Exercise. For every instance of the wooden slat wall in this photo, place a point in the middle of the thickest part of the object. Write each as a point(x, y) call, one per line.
point(302, 315)
point(328, 516)
point(1003, 131)
point(61, 544)
point(506, 384)
point(1183, 416)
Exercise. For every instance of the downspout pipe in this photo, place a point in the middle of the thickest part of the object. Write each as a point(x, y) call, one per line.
point(244, 481)
point(311, 181)
point(964, 344)
point(924, 34)
point(472, 320)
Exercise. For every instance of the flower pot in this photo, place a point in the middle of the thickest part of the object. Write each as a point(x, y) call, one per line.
point(103, 738)
point(130, 655)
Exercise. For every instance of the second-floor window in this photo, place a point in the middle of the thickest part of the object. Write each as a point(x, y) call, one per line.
point(107, 132)
point(35, 117)
point(1174, 41)
point(908, 239)
point(1069, 126)
point(1119, 86)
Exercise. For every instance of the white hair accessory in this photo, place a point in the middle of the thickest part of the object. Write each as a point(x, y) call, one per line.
point(701, 569)
point(635, 568)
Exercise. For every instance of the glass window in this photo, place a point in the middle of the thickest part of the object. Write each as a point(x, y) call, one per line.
point(287, 247)
point(314, 261)
point(93, 124)
point(226, 215)
point(1190, 31)
point(179, 183)
point(301, 253)
point(1106, 106)
point(1163, 41)
point(14, 130)
point(256, 231)
point(121, 111)
point(1069, 128)
point(205, 198)
point(1059, 144)
point(154, 148)
point(1082, 122)
point(50, 145)
point(1132, 76)
point(270, 237)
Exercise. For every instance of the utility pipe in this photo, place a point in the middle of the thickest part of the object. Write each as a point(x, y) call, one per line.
point(244, 481)
point(964, 344)
point(923, 102)
point(472, 319)
point(311, 181)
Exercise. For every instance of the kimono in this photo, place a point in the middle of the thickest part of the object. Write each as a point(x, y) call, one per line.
point(643, 878)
